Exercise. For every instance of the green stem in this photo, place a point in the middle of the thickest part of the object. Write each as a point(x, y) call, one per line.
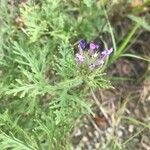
point(122, 47)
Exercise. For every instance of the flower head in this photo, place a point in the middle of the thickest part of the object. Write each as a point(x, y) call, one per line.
point(83, 44)
point(93, 55)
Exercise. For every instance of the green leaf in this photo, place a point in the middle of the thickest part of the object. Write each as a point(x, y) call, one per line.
point(140, 21)
point(88, 2)
point(135, 56)
point(11, 142)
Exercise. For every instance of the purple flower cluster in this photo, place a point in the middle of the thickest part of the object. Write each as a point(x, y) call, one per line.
point(95, 56)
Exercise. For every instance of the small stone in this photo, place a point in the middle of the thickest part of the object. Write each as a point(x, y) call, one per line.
point(109, 130)
point(78, 132)
point(119, 133)
point(85, 139)
point(86, 126)
point(96, 134)
point(97, 145)
point(90, 134)
point(131, 128)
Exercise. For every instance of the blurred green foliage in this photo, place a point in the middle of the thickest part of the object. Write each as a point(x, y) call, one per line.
point(42, 89)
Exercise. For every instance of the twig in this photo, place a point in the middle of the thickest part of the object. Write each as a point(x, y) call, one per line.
point(94, 124)
point(100, 107)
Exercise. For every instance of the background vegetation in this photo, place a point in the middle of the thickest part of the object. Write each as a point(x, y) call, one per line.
point(43, 92)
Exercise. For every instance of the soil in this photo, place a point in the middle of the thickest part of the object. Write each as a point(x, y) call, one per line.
point(130, 99)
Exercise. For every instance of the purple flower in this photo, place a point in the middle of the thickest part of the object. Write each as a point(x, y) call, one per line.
point(94, 46)
point(93, 55)
point(107, 52)
point(79, 58)
point(83, 44)
point(103, 56)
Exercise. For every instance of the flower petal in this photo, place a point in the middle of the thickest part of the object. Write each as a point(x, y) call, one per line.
point(79, 58)
point(107, 52)
point(82, 44)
